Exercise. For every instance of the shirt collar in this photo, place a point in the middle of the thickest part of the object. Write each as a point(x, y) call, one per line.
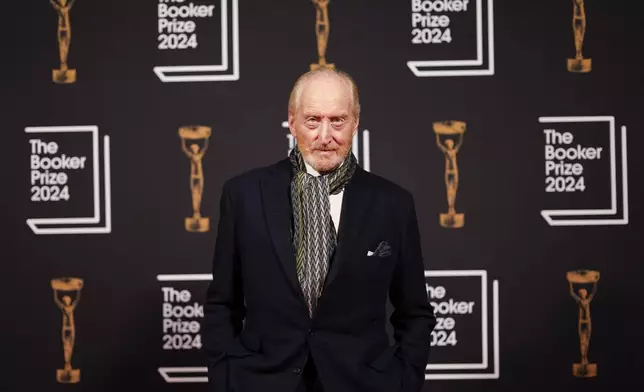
point(310, 170)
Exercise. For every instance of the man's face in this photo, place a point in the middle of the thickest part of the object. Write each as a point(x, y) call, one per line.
point(323, 122)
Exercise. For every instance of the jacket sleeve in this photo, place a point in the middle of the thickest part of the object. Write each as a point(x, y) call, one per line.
point(224, 309)
point(413, 317)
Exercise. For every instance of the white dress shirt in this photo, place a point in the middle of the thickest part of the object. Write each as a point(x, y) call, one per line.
point(334, 200)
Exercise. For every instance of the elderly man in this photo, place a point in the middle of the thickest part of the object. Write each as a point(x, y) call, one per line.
point(307, 251)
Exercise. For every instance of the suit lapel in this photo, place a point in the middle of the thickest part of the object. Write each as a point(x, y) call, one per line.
point(277, 209)
point(356, 202)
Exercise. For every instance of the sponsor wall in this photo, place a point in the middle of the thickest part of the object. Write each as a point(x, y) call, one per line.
point(516, 125)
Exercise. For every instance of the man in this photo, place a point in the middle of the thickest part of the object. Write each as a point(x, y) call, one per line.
point(307, 251)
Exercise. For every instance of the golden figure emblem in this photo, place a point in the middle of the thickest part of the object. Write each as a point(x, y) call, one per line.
point(195, 153)
point(322, 28)
point(446, 132)
point(66, 295)
point(579, 63)
point(64, 74)
point(583, 298)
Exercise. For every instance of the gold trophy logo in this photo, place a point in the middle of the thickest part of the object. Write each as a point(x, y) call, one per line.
point(189, 137)
point(583, 298)
point(66, 295)
point(64, 74)
point(322, 28)
point(450, 130)
point(579, 63)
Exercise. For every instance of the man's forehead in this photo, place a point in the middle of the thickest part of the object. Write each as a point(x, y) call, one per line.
point(326, 82)
point(325, 91)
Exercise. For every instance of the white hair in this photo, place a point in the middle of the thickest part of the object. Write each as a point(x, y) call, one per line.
point(296, 92)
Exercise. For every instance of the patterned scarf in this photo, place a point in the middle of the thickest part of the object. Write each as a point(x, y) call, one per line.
point(314, 236)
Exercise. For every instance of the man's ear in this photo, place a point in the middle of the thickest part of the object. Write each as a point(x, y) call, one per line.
point(355, 129)
point(291, 122)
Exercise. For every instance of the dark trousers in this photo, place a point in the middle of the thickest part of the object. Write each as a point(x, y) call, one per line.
point(310, 380)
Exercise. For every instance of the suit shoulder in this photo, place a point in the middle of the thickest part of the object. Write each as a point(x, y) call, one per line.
point(255, 175)
point(392, 189)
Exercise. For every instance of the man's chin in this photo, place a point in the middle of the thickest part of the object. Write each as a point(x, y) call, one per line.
point(326, 165)
point(324, 161)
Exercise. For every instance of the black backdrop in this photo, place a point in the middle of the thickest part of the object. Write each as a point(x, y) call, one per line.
point(119, 319)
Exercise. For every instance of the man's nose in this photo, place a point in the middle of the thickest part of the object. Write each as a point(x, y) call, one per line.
point(325, 132)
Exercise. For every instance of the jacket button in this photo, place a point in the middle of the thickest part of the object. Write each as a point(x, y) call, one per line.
point(311, 333)
point(297, 370)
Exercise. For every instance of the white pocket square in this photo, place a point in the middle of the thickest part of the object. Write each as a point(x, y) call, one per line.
point(383, 250)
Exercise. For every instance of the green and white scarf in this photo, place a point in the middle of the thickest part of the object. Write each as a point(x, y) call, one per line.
point(314, 237)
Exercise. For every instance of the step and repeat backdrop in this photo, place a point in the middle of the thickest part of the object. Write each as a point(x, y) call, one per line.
point(516, 125)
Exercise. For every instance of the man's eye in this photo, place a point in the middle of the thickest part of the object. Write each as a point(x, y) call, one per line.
point(337, 121)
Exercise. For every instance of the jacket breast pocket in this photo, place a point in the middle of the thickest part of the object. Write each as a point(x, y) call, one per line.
point(380, 253)
point(375, 265)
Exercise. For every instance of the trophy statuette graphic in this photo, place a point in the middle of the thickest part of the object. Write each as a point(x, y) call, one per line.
point(63, 288)
point(189, 137)
point(450, 130)
point(64, 74)
point(322, 28)
point(583, 298)
point(579, 63)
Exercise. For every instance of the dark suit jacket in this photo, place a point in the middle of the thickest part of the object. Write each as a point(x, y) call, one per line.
point(257, 330)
